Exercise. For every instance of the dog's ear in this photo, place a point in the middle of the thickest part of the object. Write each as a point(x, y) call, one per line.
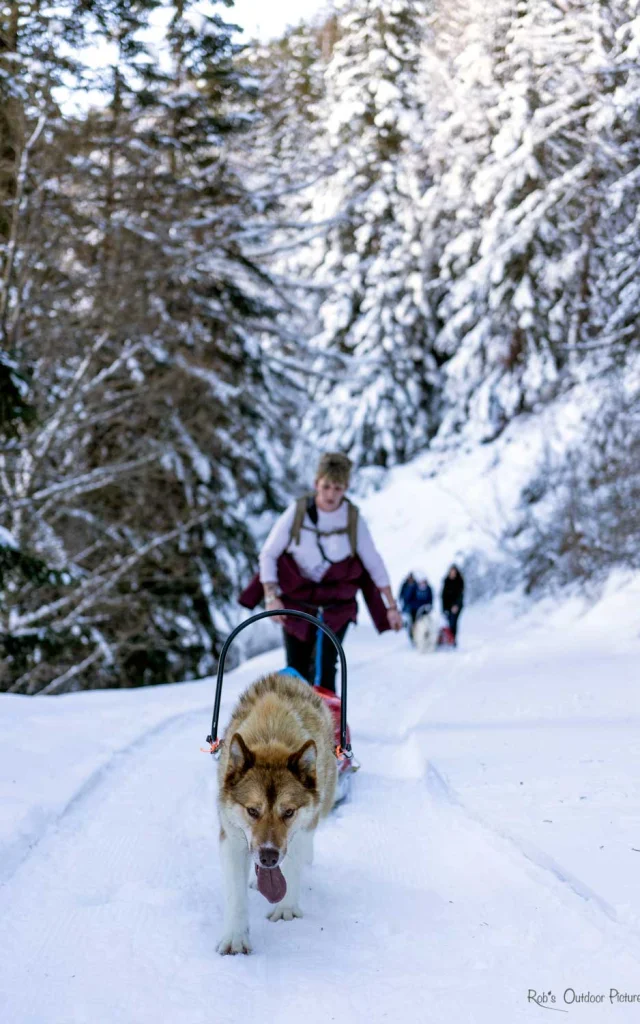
point(241, 759)
point(303, 764)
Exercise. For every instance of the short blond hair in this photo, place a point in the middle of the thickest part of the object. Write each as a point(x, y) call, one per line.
point(334, 467)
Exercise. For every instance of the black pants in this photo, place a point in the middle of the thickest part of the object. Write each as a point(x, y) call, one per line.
point(453, 621)
point(301, 655)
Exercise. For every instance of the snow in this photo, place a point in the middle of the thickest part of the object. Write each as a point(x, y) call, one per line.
point(6, 539)
point(454, 504)
point(490, 845)
point(256, 21)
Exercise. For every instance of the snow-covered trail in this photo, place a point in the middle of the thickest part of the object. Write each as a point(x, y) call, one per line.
point(423, 904)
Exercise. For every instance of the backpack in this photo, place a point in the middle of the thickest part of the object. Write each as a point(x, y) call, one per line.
point(306, 505)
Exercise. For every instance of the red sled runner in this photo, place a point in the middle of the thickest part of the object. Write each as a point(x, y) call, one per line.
point(445, 638)
point(346, 765)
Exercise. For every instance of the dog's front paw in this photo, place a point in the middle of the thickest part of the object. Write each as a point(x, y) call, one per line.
point(234, 942)
point(283, 913)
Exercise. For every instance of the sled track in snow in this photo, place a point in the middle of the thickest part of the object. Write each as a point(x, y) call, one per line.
point(114, 762)
point(546, 868)
point(28, 844)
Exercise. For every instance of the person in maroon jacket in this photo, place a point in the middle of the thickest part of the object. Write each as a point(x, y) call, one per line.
point(317, 557)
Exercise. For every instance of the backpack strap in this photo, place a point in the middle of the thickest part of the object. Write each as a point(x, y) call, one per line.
point(306, 504)
point(352, 526)
point(298, 518)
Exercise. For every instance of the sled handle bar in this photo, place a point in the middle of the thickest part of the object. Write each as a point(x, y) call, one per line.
point(345, 747)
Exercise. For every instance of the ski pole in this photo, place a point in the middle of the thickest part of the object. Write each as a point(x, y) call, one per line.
point(319, 639)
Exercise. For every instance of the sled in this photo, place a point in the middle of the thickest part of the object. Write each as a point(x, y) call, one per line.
point(346, 766)
point(346, 762)
point(446, 639)
point(427, 637)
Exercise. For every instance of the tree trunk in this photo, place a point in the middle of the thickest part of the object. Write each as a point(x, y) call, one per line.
point(11, 120)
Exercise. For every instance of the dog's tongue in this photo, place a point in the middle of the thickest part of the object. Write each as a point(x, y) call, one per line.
point(271, 883)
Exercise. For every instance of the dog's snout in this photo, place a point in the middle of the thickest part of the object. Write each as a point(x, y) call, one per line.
point(269, 856)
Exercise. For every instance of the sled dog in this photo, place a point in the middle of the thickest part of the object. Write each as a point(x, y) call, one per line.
point(425, 632)
point(277, 778)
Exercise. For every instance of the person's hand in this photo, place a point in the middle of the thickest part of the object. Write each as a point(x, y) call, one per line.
point(454, 609)
point(271, 603)
point(394, 618)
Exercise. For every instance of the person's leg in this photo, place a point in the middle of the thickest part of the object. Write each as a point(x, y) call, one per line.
point(454, 616)
point(299, 655)
point(330, 659)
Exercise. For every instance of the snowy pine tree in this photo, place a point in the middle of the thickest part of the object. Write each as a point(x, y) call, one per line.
point(288, 87)
point(410, 221)
point(377, 401)
point(155, 444)
point(617, 338)
point(521, 300)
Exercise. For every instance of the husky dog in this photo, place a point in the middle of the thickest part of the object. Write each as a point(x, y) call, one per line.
point(424, 631)
point(277, 778)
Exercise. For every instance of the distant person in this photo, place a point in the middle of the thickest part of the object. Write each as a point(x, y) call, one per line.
point(453, 598)
point(420, 596)
point(317, 557)
point(406, 588)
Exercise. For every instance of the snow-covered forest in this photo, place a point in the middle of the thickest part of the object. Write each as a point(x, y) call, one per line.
point(400, 227)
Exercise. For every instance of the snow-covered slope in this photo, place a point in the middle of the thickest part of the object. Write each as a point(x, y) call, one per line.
point(490, 846)
point(453, 504)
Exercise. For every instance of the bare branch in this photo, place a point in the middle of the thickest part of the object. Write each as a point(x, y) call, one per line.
point(19, 206)
point(91, 481)
point(43, 441)
point(128, 563)
point(57, 683)
point(108, 371)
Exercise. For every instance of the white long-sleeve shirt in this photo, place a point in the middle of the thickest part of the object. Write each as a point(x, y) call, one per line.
point(307, 553)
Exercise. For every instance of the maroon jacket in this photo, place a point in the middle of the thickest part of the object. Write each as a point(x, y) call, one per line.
point(335, 593)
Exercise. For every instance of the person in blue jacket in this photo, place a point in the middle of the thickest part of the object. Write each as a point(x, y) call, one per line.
point(419, 596)
point(407, 587)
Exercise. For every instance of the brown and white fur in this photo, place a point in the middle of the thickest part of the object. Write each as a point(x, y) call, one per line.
point(425, 631)
point(277, 777)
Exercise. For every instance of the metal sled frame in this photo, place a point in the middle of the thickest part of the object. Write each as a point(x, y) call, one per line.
point(345, 747)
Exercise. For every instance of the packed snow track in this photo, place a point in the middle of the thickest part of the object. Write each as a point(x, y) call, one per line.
point(430, 899)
